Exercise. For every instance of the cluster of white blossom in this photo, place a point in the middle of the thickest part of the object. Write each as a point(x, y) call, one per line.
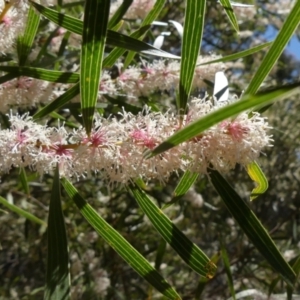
point(13, 16)
point(116, 145)
point(24, 92)
point(159, 75)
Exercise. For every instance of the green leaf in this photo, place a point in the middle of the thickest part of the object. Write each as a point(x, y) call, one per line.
point(186, 181)
point(284, 35)
point(152, 16)
point(200, 287)
point(238, 55)
point(116, 53)
point(230, 14)
point(42, 74)
point(188, 251)
point(58, 276)
point(93, 42)
point(70, 23)
point(191, 42)
point(247, 102)
point(252, 227)
point(121, 101)
point(113, 38)
point(25, 41)
point(258, 176)
point(24, 181)
point(119, 244)
point(226, 263)
point(22, 212)
point(58, 102)
point(117, 17)
point(295, 263)
point(161, 250)
point(203, 281)
point(7, 77)
point(296, 267)
point(5, 58)
point(64, 44)
point(45, 46)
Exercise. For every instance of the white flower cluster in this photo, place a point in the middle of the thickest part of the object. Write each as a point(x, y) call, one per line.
point(116, 145)
point(24, 92)
point(159, 75)
point(13, 16)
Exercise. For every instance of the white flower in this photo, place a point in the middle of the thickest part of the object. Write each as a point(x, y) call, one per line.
point(13, 16)
point(160, 75)
point(24, 92)
point(116, 146)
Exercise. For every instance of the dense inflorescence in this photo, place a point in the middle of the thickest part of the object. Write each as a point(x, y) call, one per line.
point(116, 146)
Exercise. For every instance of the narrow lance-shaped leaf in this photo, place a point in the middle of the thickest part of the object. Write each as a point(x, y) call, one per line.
point(44, 49)
point(258, 176)
point(188, 251)
point(186, 181)
point(24, 42)
point(21, 212)
point(93, 42)
point(58, 276)
point(295, 263)
point(230, 14)
point(116, 53)
point(7, 77)
point(296, 267)
point(24, 180)
point(58, 102)
point(247, 102)
point(252, 227)
point(238, 55)
point(191, 42)
point(117, 17)
point(113, 38)
point(226, 263)
point(284, 35)
point(119, 244)
point(152, 15)
point(42, 74)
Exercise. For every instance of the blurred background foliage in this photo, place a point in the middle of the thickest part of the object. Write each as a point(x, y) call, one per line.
point(97, 271)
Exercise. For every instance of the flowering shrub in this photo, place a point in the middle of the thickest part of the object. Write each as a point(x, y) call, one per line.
point(75, 109)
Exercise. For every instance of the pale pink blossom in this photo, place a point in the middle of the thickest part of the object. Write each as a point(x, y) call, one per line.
point(25, 92)
point(13, 17)
point(116, 146)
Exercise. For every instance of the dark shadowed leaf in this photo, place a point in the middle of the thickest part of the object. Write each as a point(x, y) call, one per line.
point(252, 227)
point(58, 276)
point(188, 251)
point(119, 244)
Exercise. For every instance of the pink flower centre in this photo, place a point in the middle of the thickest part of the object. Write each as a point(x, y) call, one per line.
point(236, 130)
point(143, 138)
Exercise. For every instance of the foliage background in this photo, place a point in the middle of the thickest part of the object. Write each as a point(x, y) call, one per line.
point(97, 271)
